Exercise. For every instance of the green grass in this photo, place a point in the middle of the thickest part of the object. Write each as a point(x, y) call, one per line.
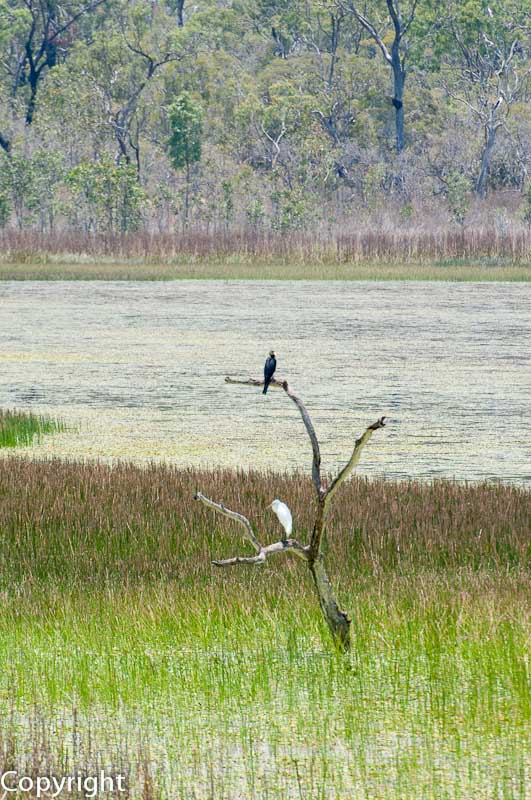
point(120, 644)
point(247, 268)
point(21, 428)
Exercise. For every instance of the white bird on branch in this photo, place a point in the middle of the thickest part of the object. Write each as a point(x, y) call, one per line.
point(284, 516)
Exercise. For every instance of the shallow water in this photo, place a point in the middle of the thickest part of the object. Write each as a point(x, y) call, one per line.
point(138, 369)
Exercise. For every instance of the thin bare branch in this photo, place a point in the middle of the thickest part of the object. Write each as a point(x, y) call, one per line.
point(232, 515)
point(316, 461)
point(231, 562)
point(75, 17)
point(268, 550)
point(370, 28)
point(262, 552)
point(276, 384)
point(354, 458)
point(255, 382)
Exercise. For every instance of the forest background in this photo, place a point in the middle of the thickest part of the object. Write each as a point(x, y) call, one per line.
point(260, 116)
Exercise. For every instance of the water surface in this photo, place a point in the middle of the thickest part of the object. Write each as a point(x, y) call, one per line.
point(139, 369)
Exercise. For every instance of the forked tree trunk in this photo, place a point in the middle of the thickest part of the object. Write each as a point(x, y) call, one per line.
point(337, 620)
point(395, 57)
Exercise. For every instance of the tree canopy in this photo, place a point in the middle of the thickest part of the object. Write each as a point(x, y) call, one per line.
point(275, 113)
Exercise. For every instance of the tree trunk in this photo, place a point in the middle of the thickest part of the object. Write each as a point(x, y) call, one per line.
point(33, 81)
point(186, 196)
point(5, 144)
point(399, 80)
point(490, 131)
point(180, 9)
point(338, 622)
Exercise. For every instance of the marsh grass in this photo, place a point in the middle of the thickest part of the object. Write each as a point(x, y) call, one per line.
point(368, 254)
point(121, 645)
point(70, 269)
point(23, 428)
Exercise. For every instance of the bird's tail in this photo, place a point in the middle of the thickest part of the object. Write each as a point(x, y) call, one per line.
point(265, 388)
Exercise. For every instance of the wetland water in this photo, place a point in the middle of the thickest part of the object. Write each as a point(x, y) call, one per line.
point(138, 369)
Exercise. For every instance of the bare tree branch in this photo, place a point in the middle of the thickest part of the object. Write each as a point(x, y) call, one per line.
point(354, 459)
point(75, 17)
point(370, 28)
point(337, 620)
point(276, 384)
point(316, 461)
point(231, 562)
point(233, 515)
point(262, 552)
point(255, 382)
point(268, 550)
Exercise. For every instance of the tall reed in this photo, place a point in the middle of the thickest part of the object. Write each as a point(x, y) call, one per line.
point(21, 428)
point(122, 647)
point(366, 244)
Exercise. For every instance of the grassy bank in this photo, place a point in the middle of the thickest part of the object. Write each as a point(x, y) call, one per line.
point(247, 268)
point(21, 428)
point(408, 253)
point(122, 646)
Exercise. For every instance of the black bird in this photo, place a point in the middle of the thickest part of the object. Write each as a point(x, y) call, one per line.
point(269, 369)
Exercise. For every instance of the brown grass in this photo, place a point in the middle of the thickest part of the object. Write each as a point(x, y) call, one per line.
point(108, 590)
point(126, 523)
point(404, 245)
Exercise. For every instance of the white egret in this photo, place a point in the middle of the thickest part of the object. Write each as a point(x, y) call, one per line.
point(284, 516)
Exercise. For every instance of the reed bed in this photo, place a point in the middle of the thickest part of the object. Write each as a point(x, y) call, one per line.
point(122, 646)
point(21, 428)
point(131, 523)
point(367, 244)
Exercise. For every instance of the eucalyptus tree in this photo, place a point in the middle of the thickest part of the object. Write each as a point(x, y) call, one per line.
point(179, 8)
point(35, 36)
point(184, 144)
point(483, 54)
point(389, 23)
point(123, 62)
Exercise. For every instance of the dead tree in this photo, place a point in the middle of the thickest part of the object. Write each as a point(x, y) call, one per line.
point(338, 621)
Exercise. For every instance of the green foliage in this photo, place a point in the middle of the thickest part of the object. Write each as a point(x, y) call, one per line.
point(458, 196)
point(373, 184)
point(14, 19)
point(295, 93)
point(228, 200)
point(186, 123)
point(21, 429)
point(527, 207)
point(292, 209)
point(28, 185)
point(255, 213)
point(108, 195)
point(5, 208)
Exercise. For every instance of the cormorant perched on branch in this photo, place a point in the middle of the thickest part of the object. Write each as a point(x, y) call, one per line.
point(269, 370)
